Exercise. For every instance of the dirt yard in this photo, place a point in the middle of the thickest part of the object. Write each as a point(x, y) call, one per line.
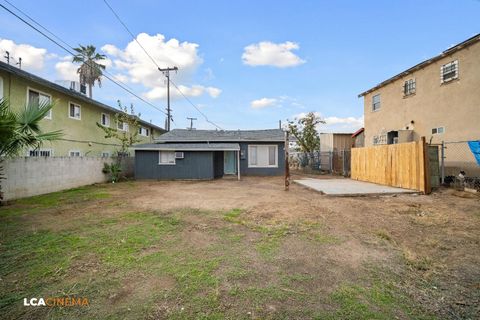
point(241, 250)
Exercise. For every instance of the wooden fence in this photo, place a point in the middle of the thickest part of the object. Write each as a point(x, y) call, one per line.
point(403, 165)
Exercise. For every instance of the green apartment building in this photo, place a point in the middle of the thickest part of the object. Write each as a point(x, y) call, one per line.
point(73, 113)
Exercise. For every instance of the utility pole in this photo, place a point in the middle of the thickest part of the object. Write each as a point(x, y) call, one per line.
point(7, 56)
point(191, 122)
point(166, 72)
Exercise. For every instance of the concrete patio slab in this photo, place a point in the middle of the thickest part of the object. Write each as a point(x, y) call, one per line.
point(349, 187)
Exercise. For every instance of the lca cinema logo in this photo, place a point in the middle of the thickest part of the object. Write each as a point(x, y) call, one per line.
point(56, 302)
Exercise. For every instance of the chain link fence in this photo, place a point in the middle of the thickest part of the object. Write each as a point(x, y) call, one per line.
point(329, 162)
point(459, 167)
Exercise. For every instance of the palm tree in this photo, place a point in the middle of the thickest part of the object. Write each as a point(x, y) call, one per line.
point(90, 71)
point(20, 131)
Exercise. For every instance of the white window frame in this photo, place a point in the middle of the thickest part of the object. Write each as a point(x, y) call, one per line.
point(107, 117)
point(49, 114)
point(124, 126)
point(442, 68)
point(39, 151)
point(409, 89)
point(1, 88)
point(144, 129)
point(379, 102)
point(251, 146)
point(166, 163)
point(70, 103)
point(74, 151)
point(435, 130)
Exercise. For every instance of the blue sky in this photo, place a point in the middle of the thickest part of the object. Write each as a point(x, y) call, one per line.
point(246, 64)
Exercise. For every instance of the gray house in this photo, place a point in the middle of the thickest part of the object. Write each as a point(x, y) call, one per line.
point(209, 154)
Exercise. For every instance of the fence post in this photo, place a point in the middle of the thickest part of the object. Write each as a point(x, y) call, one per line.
point(343, 162)
point(331, 161)
point(287, 165)
point(442, 163)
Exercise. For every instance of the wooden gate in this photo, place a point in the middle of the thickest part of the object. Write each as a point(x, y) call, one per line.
point(403, 165)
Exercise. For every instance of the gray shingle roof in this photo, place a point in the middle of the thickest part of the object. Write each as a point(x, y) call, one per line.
point(188, 146)
point(183, 135)
point(29, 76)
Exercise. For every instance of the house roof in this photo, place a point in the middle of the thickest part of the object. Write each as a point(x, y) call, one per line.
point(188, 146)
point(184, 135)
point(77, 95)
point(422, 64)
point(358, 132)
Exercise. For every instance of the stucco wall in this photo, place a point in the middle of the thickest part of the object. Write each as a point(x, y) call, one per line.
point(90, 138)
point(454, 105)
point(30, 176)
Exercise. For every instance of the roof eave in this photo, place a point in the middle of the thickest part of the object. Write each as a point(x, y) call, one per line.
point(422, 64)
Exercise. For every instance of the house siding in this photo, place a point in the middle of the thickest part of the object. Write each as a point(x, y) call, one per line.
point(194, 165)
point(201, 164)
point(246, 171)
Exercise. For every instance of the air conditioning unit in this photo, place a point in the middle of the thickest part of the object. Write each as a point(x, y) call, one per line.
point(179, 155)
point(83, 89)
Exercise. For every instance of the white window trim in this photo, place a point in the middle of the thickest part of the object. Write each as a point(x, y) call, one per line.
point(146, 130)
point(455, 77)
point(39, 150)
point(164, 163)
point(443, 130)
point(78, 105)
point(49, 116)
point(70, 152)
point(107, 116)
point(1, 88)
point(407, 94)
point(123, 127)
point(380, 103)
point(263, 145)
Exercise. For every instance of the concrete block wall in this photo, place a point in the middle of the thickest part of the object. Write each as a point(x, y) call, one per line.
point(30, 176)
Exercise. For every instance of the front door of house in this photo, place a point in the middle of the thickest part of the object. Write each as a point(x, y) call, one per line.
point(229, 162)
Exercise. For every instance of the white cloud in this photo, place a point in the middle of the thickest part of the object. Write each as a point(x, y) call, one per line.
point(140, 69)
point(336, 124)
point(67, 70)
point(349, 121)
point(193, 91)
point(272, 54)
point(263, 103)
point(32, 58)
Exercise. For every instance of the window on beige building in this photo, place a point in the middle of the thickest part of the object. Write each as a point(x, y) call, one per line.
point(438, 130)
point(449, 71)
point(376, 102)
point(409, 87)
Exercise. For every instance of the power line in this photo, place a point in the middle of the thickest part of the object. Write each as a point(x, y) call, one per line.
point(131, 33)
point(199, 111)
point(121, 84)
point(155, 63)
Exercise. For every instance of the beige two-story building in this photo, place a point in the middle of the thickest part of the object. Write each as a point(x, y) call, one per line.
point(438, 98)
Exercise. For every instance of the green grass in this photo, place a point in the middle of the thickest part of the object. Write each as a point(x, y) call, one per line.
point(137, 264)
point(380, 301)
